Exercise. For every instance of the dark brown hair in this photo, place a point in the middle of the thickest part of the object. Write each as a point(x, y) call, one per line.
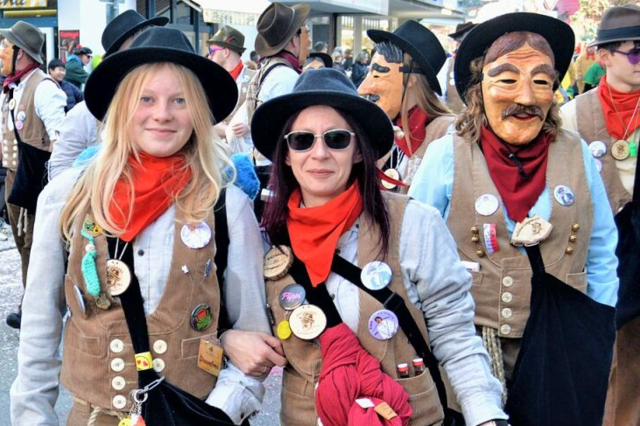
point(282, 183)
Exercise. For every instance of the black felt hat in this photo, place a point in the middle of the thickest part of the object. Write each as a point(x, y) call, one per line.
point(620, 23)
point(124, 26)
point(558, 34)
point(155, 45)
point(325, 86)
point(325, 58)
point(423, 46)
point(462, 29)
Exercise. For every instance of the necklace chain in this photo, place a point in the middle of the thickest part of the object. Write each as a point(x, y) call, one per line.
point(635, 110)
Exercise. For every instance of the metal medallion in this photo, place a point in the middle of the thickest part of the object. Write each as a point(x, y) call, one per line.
point(307, 322)
point(620, 150)
point(277, 262)
point(118, 277)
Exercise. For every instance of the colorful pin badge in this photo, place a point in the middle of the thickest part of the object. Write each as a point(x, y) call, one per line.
point(284, 330)
point(118, 277)
point(277, 262)
point(90, 227)
point(307, 322)
point(292, 296)
point(19, 125)
point(487, 204)
point(376, 275)
point(144, 361)
point(598, 149)
point(201, 317)
point(564, 195)
point(196, 236)
point(490, 234)
point(207, 268)
point(21, 116)
point(383, 324)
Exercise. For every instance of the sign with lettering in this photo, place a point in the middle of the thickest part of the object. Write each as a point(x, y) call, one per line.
point(22, 4)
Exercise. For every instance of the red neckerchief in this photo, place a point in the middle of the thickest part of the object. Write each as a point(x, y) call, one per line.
point(624, 103)
point(591, 56)
point(235, 73)
point(16, 76)
point(290, 57)
point(315, 231)
point(156, 183)
point(518, 194)
point(418, 120)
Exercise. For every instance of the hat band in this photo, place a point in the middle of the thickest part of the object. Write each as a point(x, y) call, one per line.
point(619, 33)
point(18, 38)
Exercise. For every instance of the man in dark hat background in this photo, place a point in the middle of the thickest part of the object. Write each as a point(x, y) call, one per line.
point(446, 77)
point(79, 130)
point(317, 60)
point(608, 119)
point(283, 43)
point(511, 177)
point(226, 48)
point(33, 107)
point(403, 82)
point(76, 62)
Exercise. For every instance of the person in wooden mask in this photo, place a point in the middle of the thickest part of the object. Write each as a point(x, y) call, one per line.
point(510, 177)
point(403, 82)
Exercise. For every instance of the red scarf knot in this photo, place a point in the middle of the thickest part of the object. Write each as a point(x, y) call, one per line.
point(620, 110)
point(235, 72)
point(17, 76)
point(293, 61)
point(519, 194)
point(315, 231)
point(418, 120)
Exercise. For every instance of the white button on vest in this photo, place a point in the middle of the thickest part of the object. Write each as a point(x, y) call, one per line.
point(507, 313)
point(13, 163)
point(116, 346)
point(119, 402)
point(505, 329)
point(117, 364)
point(158, 365)
point(507, 297)
point(160, 346)
point(507, 281)
point(118, 383)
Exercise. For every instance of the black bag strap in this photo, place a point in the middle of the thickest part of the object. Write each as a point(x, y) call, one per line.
point(221, 236)
point(13, 119)
point(535, 259)
point(636, 184)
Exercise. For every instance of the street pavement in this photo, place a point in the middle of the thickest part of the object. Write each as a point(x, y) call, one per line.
point(10, 294)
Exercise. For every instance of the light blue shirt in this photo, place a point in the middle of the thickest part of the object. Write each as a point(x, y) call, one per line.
point(433, 184)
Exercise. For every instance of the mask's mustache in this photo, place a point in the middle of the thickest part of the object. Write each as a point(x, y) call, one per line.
point(523, 109)
point(371, 97)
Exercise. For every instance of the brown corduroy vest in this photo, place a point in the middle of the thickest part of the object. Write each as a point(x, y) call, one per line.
point(592, 127)
point(33, 133)
point(88, 362)
point(502, 287)
point(305, 363)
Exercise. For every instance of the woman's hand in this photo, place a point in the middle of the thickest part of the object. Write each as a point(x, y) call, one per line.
point(253, 353)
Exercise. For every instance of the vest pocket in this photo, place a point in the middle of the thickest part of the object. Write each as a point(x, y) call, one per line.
point(75, 339)
point(477, 278)
point(298, 401)
point(191, 347)
point(578, 281)
point(424, 399)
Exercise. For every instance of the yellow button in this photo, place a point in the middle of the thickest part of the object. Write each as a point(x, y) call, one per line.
point(505, 329)
point(507, 313)
point(160, 346)
point(116, 346)
point(118, 383)
point(117, 364)
point(119, 402)
point(507, 281)
point(507, 297)
point(158, 365)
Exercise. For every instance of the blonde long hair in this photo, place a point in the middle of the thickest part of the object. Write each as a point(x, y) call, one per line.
point(204, 154)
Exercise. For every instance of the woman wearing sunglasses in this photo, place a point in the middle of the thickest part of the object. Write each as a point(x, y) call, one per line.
point(353, 269)
point(132, 246)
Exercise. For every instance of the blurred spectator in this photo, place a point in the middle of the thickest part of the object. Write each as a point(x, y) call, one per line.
point(76, 73)
point(317, 60)
point(336, 56)
point(592, 76)
point(321, 47)
point(360, 68)
point(57, 71)
point(583, 63)
point(348, 59)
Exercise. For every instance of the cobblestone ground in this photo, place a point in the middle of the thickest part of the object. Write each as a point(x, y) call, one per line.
point(10, 294)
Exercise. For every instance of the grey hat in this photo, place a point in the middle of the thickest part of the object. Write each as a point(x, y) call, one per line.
point(27, 37)
point(620, 23)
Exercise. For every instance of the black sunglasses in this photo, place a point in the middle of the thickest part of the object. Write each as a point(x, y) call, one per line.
point(335, 139)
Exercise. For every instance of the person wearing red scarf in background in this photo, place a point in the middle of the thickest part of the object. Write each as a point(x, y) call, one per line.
point(403, 81)
point(324, 141)
point(509, 161)
point(225, 49)
point(608, 119)
point(35, 116)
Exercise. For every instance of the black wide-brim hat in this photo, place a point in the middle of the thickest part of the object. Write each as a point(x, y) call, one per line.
point(124, 26)
point(558, 34)
point(325, 58)
point(325, 86)
point(156, 45)
point(462, 29)
point(421, 44)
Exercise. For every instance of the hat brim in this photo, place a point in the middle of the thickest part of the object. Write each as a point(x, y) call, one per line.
point(263, 48)
point(219, 86)
point(559, 35)
point(270, 118)
point(462, 32)
point(159, 21)
point(37, 56)
point(324, 57)
point(379, 36)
